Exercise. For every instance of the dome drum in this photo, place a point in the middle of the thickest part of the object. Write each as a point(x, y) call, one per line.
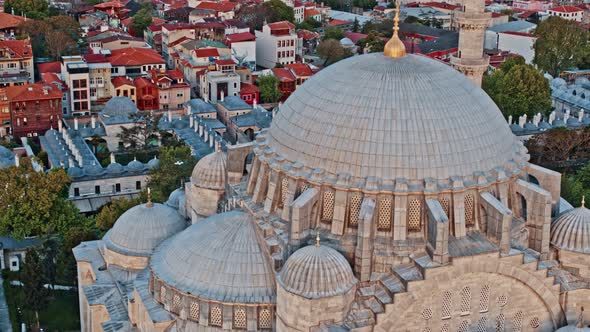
point(205, 312)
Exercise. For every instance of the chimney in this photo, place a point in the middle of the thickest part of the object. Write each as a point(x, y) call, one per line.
point(222, 95)
point(254, 104)
point(509, 119)
point(93, 122)
point(75, 123)
point(16, 160)
point(59, 125)
point(580, 115)
point(191, 121)
point(113, 158)
point(169, 116)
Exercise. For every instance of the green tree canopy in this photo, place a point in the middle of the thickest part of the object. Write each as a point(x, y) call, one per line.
point(364, 4)
point(34, 9)
point(52, 37)
point(268, 85)
point(309, 24)
point(141, 20)
point(518, 89)
point(176, 164)
point(33, 280)
point(331, 51)
point(372, 43)
point(34, 203)
point(144, 131)
point(332, 32)
point(561, 45)
point(279, 11)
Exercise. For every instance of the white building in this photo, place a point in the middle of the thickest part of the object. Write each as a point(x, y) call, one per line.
point(567, 12)
point(520, 43)
point(492, 33)
point(276, 43)
point(243, 48)
point(76, 75)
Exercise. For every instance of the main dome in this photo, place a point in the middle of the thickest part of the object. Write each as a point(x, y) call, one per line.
point(411, 117)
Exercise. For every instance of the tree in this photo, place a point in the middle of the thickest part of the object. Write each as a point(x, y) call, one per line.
point(33, 281)
point(333, 33)
point(365, 4)
point(559, 144)
point(355, 25)
point(108, 215)
point(280, 11)
point(140, 135)
point(270, 11)
point(331, 51)
point(518, 89)
point(35, 9)
point(34, 203)
point(58, 43)
point(560, 45)
point(176, 164)
point(66, 263)
point(50, 252)
point(372, 43)
point(309, 24)
point(269, 88)
point(141, 20)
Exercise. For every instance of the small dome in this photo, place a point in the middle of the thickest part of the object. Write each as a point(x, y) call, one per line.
point(93, 170)
point(558, 82)
point(210, 171)
point(153, 163)
point(174, 198)
point(142, 228)
point(544, 125)
point(571, 230)
point(218, 258)
point(317, 271)
point(530, 126)
point(515, 128)
point(573, 122)
point(180, 124)
point(115, 168)
point(558, 123)
point(5, 153)
point(135, 166)
point(573, 328)
point(346, 42)
point(581, 80)
point(119, 106)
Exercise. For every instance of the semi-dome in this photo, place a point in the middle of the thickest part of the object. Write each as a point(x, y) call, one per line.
point(210, 172)
point(218, 258)
point(174, 198)
point(571, 230)
point(411, 117)
point(317, 271)
point(142, 228)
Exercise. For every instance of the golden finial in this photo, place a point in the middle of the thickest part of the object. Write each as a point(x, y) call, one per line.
point(149, 198)
point(317, 238)
point(583, 200)
point(395, 47)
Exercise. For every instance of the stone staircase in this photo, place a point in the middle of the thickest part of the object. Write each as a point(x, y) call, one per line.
point(373, 298)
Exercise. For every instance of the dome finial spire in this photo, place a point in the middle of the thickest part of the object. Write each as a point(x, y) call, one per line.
point(395, 47)
point(149, 198)
point(317, 238)
point(583, 200)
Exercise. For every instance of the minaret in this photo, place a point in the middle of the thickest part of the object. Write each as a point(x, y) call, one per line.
point(472, 21)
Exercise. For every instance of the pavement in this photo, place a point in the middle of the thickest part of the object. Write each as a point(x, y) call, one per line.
point(4, 316)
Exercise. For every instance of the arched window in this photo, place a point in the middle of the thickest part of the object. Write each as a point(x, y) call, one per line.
point(484, 299)
point(195, 311)
point(240, 318)
point(517, 321)
point(466, 300)
point(355, 208)
point(469, 210)
point(447, 303)
point(328, 206)
point(215, 316)
point(414, 215)
point(384, 222)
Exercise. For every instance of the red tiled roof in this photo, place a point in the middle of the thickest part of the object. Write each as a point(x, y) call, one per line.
point(32, 92)
point(177, 26)
point(248, 88)
point(566, 9)
point(18, 48)
point(440, 5)
point(379, 8)
point(224, 6)
point(494, 15)
point(225, 62)
point(49, 67)
point(8, 21)
point(121, 80)
point(206, 52)
point(516, 33)
point(155, 27)
point(354, 36)
point(133, 56)
point(336, 22)
point(527, 13)
point(178, 41)
point(95, 58)
point(297, 4)
point(281, 25)
point(141, 82)
point(240, 37)
point(283, 74)
point(106, 5)
point(311, 12)
point(174, 74)
point(300, 69)
point(51, 78)
point(307, 35)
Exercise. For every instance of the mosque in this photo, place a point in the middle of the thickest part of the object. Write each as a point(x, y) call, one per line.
point(389, 194)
